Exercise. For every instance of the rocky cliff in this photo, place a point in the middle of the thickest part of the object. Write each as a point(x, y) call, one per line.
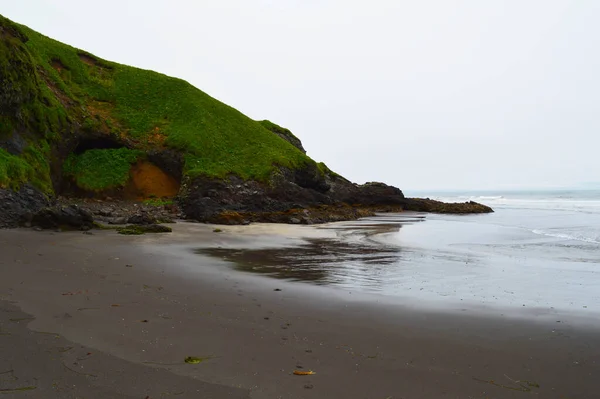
point(76, 126)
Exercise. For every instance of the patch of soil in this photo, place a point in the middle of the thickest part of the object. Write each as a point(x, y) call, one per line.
point(103, 110)
point(88, 59)
point(58, 65)
point(93, 61)
point(148, 181)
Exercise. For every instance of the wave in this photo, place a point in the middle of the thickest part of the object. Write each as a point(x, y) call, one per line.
point(488, 197)
point(567, 236)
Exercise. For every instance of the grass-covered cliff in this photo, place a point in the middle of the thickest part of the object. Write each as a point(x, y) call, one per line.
point(75, 125)
point(52, 95)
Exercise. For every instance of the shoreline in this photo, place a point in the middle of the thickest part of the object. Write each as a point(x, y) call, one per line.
point(256, 336)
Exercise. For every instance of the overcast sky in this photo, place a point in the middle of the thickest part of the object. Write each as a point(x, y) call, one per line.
point(419, 94)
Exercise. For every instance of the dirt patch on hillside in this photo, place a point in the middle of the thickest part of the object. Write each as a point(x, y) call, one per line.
point(58, 93)
point(58, 65)
point(148, 181)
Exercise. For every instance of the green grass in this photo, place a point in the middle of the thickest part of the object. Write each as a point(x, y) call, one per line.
point(275, 128)
point(14, 171)
point(325, 171)
point(99, 170)
point(158, 202)
point(217, 140)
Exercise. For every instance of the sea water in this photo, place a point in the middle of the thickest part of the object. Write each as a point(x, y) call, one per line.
point(539, 250)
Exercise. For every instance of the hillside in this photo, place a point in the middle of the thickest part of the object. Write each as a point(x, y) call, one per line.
point(75, 125)
point(61, 88)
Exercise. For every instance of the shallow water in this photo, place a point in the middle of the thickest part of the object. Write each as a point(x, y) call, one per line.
point(541, 258)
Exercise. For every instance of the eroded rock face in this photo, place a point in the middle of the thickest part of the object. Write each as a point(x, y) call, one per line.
point(205, 199)
point(17, 207)
point(323, 198)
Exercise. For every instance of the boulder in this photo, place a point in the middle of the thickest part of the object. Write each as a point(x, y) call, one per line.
point(18, 207)
point(142, 219)
point(64, 217)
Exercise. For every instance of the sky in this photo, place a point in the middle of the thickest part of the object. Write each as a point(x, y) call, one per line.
point(424, 95)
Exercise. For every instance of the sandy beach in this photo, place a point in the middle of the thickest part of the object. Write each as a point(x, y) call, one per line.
point(110, 316)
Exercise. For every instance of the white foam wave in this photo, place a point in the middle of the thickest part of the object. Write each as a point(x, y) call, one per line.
point(566, 236)
point(489, 197)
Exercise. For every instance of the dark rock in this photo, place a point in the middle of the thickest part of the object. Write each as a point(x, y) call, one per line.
point(369, 194)
point(207, 199)
point(310, 177)
point(59, 217)
point(307, 195)
point(17, 207)
point(14, 144)
point(168, 160)
point(429, 205)
point(108, 212)
point(119, 220)
point(142, 218)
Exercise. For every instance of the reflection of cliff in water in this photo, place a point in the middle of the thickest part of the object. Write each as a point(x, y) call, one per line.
point(324, 261)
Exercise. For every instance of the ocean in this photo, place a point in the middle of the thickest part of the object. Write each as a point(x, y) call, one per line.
point(539, 252)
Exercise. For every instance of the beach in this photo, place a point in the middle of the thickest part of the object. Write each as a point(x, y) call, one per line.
point(104, 315)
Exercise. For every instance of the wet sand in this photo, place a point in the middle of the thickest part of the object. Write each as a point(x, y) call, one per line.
point(132, 308)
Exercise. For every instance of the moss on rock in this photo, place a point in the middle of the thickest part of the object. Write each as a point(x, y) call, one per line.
point(133, 229)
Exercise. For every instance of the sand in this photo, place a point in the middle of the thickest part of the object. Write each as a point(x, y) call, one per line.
point(109, 316)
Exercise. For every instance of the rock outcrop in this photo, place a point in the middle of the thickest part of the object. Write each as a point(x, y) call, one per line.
point(429, 205)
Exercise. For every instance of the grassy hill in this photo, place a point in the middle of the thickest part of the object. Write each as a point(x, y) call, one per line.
point(52, 92)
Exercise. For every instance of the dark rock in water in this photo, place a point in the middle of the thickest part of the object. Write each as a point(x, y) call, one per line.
point(69, 217)
point(17, 207)
point(429, 205)
point(142, 229)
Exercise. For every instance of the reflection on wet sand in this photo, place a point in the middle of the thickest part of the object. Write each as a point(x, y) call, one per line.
point(326, 260)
